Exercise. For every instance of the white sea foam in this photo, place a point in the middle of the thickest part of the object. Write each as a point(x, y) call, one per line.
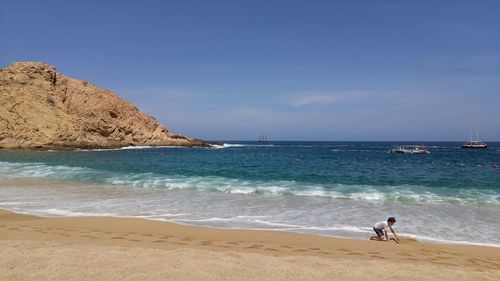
point(41, 170)
point(308, 227)
point(133, 147)
point(226, 145)
point(403, 193)
point(257, 223)
point(235, 145)
point(162, 216)
point(323, 216)
point(426, 238)
point(51, 212)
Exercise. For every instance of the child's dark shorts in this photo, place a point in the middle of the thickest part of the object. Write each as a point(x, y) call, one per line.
point(379, 232)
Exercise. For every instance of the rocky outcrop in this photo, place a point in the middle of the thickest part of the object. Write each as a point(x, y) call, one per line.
point(42, 108)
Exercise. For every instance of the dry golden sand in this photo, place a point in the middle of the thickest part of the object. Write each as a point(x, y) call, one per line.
point(104, 248)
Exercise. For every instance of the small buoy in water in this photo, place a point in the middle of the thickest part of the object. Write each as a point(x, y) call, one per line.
point(296, 160)
point(494, 166)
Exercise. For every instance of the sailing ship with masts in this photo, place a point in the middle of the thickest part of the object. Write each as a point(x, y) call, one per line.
point(263, 139)
point(475, 143)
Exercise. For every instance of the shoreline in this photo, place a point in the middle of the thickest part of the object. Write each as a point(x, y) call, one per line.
point(83, 198)
point(75, 248)
point(430, 241)
point(195, 144)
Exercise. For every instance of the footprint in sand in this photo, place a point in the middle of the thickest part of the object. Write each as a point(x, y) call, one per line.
point(445, 263)
point(160, 241)
point(378, 257)
point(473, 261)
point(255, 246)
point(444, 257)
point(117, 237)
point(271, 249)
point(301, 250)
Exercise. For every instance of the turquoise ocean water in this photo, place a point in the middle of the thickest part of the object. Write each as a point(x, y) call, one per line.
point(327, 188)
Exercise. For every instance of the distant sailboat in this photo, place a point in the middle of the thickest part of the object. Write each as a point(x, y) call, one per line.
point(475, 143)
point(263, 139)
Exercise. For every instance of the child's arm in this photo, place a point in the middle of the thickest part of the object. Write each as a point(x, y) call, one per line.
point(393, 232)
point(386, 237)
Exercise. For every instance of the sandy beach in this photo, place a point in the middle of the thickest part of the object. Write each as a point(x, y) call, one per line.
point(106, 248)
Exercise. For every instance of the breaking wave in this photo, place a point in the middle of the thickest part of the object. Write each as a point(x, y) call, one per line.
point(398, 193)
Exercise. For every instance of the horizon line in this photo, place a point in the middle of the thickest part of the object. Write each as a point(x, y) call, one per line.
point(235, 140)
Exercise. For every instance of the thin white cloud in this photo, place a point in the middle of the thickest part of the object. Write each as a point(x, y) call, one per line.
point(314, 114)
point(314, 98)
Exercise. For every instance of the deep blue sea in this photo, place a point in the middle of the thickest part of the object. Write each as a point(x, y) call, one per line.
point(327, 188)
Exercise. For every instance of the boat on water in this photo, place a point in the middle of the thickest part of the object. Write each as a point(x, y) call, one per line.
point(475, 143)
point(411, 149)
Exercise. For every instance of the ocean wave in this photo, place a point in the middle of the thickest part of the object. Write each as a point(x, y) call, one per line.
point(40, 170)
point(52, 212)
point(228, 145)
point(234, 145)
point(258, 223)
point(398, 193)
point(426, 238)
point(138, 147)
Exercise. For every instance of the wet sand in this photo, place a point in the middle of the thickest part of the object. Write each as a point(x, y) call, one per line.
point(107, 248)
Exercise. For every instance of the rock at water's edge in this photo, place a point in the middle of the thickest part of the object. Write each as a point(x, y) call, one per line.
point(41, 108)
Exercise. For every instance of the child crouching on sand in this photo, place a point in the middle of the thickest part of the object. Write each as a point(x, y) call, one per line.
point(380, 229)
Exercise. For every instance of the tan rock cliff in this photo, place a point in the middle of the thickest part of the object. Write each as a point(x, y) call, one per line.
point(42, 108)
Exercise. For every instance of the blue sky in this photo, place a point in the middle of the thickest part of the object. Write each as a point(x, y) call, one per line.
point(293, 70)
